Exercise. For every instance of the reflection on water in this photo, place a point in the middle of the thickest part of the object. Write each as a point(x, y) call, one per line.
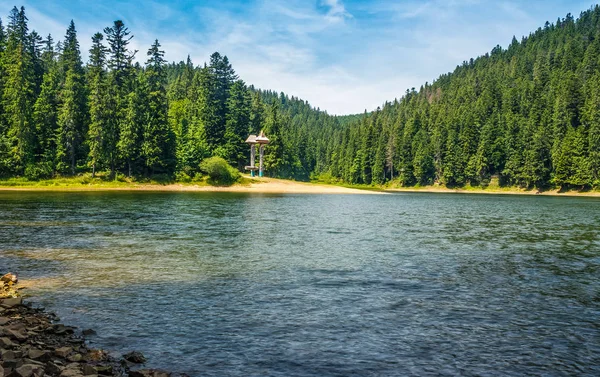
point(299, 285)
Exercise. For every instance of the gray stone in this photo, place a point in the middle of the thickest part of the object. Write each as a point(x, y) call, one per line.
point(75, 358)
point(149, 373)
point(135, 357)
point(71, 373)
point(89, 370)
point(63, 351)
point(29, 370)
point(11, 355)
point(88, 332)
point(40, 355)
point(105, 370)
point(11, 302)
point(6, 343)
point(4, 321)
point(1, 371)
point(53, 369)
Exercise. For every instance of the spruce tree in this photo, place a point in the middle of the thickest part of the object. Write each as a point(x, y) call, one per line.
point(18, 96)
point(158, 147)
point(98, 140)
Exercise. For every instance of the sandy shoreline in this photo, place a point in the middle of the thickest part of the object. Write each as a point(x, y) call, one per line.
point(282, 186)
point(264, 186)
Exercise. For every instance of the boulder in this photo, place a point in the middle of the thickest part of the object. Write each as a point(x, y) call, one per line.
point(75, 358)
point(29, 370)
point(63, 351)
point(149, 373)
point(53, 369)
point(71, 373)
point(39, 355)
point(105, 370)
point(11, 355)
point(16, 334)
point(88, 370)
point(135, 357)
point(4, 321)
point(88, 332)
point(9, 278)
point(60, 329)
point(9, 303)
point(6, 343)
point(97, 355)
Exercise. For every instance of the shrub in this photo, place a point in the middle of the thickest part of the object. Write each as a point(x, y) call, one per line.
point(219, 171)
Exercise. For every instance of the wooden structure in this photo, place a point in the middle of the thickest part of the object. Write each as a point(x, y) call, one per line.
point(261, 140)
point(252, 141)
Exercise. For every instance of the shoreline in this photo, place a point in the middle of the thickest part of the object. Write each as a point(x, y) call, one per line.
point(34, 343)
point(262, 186)
point(493, 191)
point(283, 186)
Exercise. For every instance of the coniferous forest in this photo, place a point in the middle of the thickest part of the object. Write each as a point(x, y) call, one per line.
point(527, 115)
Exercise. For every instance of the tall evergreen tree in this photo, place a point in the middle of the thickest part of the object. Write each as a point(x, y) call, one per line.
point(158, 148)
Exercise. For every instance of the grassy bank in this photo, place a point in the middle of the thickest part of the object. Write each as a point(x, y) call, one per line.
point(102, 182)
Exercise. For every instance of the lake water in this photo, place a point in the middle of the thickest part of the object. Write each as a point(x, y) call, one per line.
point(319, 285)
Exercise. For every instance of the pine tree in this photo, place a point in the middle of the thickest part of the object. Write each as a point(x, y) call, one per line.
point(238, 120)
point(18, 96)
point(72, 113)
point(97, 99)
point(158, 148)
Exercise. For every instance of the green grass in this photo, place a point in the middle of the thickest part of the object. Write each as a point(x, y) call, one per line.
point(102, 180)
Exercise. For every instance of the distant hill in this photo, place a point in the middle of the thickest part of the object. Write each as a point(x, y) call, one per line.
point(528, 114)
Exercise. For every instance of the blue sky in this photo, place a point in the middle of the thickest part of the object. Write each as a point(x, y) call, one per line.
point(343, 56)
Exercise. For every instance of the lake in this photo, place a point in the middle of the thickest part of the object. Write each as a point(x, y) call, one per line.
point(405, 284)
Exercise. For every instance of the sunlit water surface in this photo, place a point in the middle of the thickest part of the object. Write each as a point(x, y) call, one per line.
point(308, 285)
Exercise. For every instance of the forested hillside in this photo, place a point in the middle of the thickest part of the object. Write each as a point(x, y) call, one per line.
point(59, 116)
point(528, 114)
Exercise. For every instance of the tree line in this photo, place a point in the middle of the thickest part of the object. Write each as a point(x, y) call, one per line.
point(59, 116)
point(528, 115)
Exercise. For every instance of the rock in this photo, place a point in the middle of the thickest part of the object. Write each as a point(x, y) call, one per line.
point(135, 357)
point(1, 372)
point(53, 369)
point(33, 362)
point(105, 370)
point(71, 373)
point(6, 343)
point(11, 355)
point(39, 355)
point(29, 370)
point(63, 351)
point(88, 370)
point(88, 332)
point(4, 321)
point(60, 329)
point(97, 355)
point(10, 303)
point(75, 358)
point(149, 373)
point(9, 278)
point(16, 334)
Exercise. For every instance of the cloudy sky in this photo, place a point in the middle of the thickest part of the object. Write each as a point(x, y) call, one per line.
point(343, 56)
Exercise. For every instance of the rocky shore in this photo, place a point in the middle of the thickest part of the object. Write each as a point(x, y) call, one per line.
point(33, 343)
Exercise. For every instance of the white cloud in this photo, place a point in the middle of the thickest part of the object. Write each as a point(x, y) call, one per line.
point(337, 11)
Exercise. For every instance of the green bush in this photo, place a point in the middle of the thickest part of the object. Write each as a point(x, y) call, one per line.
point(219, 171)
